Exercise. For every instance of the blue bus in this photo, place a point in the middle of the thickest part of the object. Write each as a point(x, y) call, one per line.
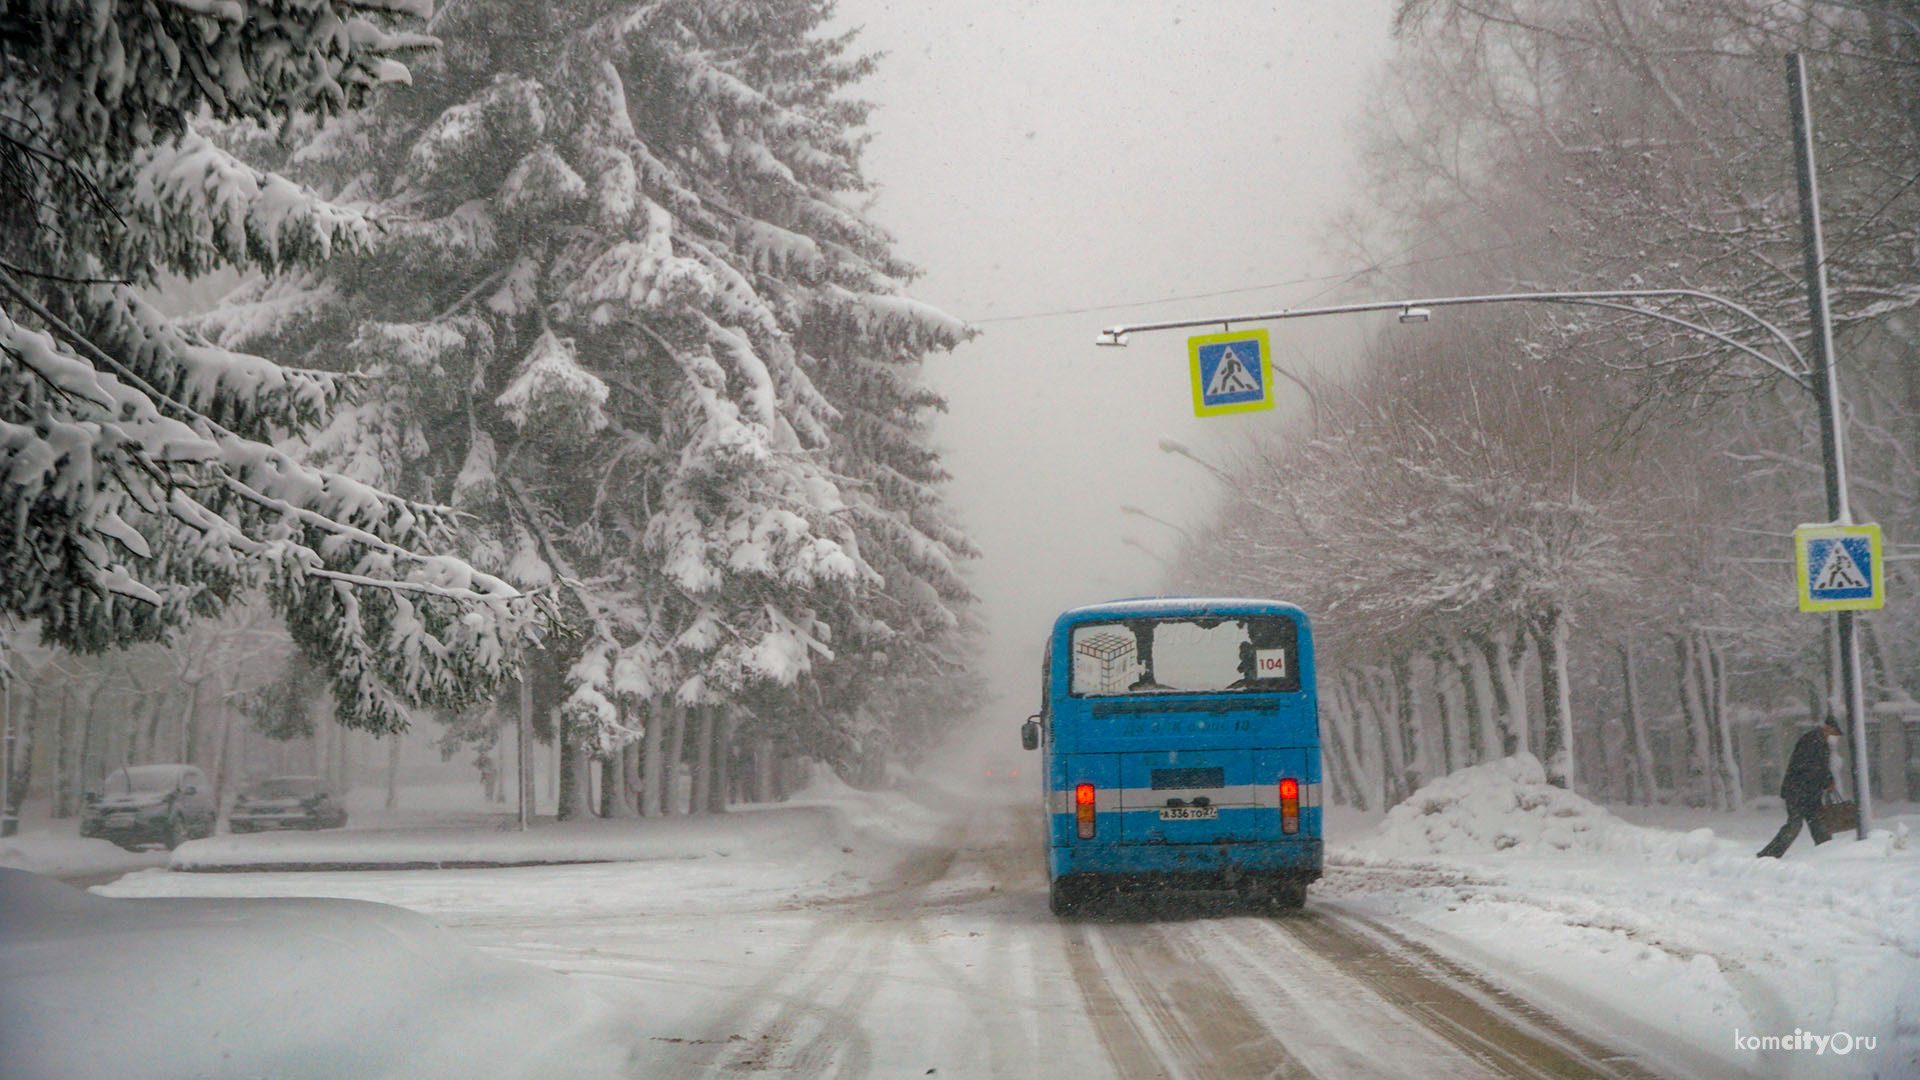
point(1181, 744)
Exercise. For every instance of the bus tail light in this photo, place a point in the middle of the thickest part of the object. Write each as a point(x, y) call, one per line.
point(1289, 805)
point(1083, 811)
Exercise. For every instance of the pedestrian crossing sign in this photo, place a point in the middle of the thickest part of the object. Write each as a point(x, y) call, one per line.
point(1839, 567)
point(1231, 372)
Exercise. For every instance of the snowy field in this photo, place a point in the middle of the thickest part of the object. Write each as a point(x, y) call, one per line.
point(1655, 929)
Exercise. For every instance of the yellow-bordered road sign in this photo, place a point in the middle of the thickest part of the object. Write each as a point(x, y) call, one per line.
point(1839, 567)
point(1231, 372)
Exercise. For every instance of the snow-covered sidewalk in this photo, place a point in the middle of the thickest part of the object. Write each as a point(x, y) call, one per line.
point(1677, 931)
point(299, 975)
point(285, 987)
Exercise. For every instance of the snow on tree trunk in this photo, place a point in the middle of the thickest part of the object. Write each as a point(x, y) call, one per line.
point(21, 765)
point(1410, 723)
point(652, 767)
point(1640, 775)
point(702, 759)
point(1370, 754)
point(1332, 762)
point(223, 726)
point(1344, 723)
point(523, 751)
point(1556, 748)
point(1513, 652)
point(575, 762)
point(763, 769)
point(720, 792)
point(1385, 708)
point(62, 771)
point(393, 771)
point(630, 778)
point(1714, 678)
point(1477, 686)
point(673, 798)
point(156, 725)
point(89, 742)
point(1701, 785)
point(610, 769)
point(1451, 696)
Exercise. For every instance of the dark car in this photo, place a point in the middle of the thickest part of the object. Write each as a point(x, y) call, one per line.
point(286, 802)
point(150, 804)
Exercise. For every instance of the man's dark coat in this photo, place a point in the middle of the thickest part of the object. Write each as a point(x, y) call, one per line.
point(1809, 772)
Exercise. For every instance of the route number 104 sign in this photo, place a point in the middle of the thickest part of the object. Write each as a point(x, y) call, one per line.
point(1269, 663)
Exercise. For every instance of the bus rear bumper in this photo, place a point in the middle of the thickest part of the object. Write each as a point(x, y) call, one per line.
point(1201, 866)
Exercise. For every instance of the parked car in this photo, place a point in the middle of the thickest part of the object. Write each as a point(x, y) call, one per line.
point(150, 804)
point(286, 802)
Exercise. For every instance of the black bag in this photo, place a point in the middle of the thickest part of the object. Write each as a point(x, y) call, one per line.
point(1836, 815)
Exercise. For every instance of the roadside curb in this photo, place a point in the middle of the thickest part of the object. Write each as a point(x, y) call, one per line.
point(411, 864)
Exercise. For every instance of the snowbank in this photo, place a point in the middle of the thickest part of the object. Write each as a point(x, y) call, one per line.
point(63, 851)
point(621, 840)
point(284, 987)
point(1504, 805)
point(1676, 930)
point(824, 814)
point(887, 815)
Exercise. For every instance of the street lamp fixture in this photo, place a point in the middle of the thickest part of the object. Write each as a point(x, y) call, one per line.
point(1169, 445)
point(1414, 315)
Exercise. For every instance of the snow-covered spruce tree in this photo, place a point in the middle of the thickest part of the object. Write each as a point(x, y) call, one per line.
point(622, 315)
point(139, 478)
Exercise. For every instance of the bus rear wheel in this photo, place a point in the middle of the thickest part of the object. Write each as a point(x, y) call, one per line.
point(1287, 896)
point(1065, 896)
point(1275, 894)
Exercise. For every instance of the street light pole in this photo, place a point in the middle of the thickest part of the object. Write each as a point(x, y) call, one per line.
point(1134, 542)
point(9, 825)
point(1129, 508)
point(1825, 385)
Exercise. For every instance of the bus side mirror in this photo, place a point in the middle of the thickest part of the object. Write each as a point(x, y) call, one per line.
point(1030, 734)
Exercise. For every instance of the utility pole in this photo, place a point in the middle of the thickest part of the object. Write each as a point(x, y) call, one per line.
point(9, 825)
point(1826, 391)
point(523, 746)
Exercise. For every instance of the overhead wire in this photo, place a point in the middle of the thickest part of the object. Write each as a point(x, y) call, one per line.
point(1337, 280)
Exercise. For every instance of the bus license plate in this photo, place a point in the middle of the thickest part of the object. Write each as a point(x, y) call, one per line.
point(1190, 813)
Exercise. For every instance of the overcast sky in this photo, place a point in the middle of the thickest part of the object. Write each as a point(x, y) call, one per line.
point(1069, 154)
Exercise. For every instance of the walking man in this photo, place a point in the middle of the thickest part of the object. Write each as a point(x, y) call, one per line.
point(1809, 776)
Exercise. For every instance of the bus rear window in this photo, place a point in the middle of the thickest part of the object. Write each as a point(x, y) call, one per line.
point(1193, 655)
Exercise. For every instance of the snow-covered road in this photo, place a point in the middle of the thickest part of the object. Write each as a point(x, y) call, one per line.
point(1490, 926)
point(938, 957)
point(954, 968)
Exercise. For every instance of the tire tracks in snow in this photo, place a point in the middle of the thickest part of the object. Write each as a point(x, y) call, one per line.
point(1318, 993)
point(802, 1018)
point(1508, 1035)
point(807, 1017)
point(1165, 1011)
